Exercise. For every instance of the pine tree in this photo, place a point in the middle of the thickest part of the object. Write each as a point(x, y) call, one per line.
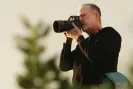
point(38, 74)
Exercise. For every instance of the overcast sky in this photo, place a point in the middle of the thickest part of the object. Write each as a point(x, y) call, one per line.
point(115, 13)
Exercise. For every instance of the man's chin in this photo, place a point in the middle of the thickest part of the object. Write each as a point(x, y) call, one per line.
point(84, 29)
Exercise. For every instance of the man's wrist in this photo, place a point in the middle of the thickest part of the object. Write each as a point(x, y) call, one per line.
point(68, 40)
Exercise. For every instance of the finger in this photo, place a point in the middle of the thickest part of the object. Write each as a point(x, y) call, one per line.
point(70, 31)
point(74, 25)
point(65, 33)
point(68, 34)
point(73, 30)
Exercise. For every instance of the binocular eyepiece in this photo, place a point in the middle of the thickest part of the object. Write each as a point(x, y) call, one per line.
point(66, 25)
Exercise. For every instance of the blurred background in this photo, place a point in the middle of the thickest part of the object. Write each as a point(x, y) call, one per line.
point(26, 30)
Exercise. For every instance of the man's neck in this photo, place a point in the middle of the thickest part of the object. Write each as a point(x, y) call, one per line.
point(96, 29)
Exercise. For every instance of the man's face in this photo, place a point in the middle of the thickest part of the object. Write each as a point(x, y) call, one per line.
point(87, 18)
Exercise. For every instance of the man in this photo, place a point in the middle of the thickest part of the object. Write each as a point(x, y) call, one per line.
point(95, 55)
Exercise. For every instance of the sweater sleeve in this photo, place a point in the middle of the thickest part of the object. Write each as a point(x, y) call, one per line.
point(67, 56)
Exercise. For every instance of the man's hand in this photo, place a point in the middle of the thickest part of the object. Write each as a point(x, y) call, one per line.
point(73, 33)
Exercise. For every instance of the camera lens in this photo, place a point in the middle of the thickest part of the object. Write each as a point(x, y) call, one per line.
point(56, 26)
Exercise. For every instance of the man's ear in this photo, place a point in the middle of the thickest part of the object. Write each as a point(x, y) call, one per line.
point(97, 16)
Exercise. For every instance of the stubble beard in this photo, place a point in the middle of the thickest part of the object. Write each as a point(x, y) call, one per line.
point(85, 28)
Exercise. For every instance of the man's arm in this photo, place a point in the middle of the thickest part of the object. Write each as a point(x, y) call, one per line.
point(67, 57)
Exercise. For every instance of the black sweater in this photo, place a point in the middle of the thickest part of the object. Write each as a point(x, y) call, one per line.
point(92, 57)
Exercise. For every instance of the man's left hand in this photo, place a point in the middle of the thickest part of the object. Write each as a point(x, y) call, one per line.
point(75, 33)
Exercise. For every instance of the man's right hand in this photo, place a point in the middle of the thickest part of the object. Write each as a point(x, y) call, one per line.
point(67, 35)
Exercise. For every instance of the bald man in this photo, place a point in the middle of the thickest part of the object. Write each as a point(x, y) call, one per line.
point(94, 56)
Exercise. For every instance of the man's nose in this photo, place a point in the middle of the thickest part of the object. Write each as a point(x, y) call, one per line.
point(81, 18)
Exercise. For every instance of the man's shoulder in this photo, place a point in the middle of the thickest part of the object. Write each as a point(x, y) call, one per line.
point(110, 31)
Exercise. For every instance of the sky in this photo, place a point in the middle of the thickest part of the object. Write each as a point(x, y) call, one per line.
point(115, 13)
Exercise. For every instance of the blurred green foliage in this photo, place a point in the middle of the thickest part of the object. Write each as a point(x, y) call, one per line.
point(38, 74)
